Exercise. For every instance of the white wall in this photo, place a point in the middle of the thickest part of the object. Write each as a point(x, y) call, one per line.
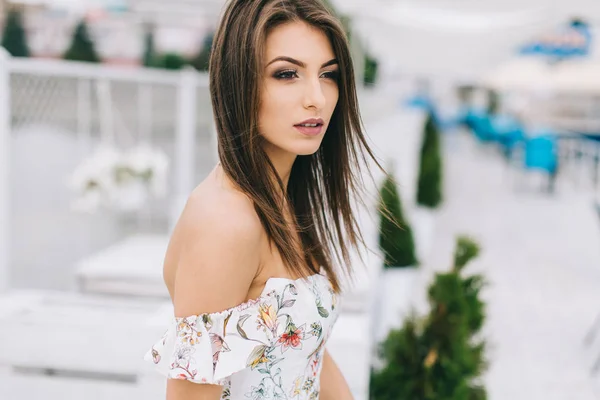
point(46, 237)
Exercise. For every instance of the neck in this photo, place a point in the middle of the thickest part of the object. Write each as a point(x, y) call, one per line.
point(283, 163)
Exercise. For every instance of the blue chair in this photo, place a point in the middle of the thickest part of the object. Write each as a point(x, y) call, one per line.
point(508, 131)
point(419, 101)
point(541, 153)
point(482, 128)
point(469, 115)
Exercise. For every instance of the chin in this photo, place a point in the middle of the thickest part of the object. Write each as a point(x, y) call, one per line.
point(307, 149)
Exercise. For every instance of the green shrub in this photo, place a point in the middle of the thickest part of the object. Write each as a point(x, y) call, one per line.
point(201, 60)
point(395, 235)
point(371, 65)
point(149, 56)
point(14, 38)
point(172, 61)
point(429, 190)
point(440, 356)
point(82, 47)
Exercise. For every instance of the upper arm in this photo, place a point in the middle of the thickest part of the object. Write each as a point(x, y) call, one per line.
point(333, 383)
point(218, 258)
point(217, 262)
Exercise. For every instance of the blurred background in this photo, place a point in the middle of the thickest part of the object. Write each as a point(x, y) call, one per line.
point(486, 115)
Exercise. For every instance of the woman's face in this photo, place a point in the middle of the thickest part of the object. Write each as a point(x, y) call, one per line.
point(299, 89)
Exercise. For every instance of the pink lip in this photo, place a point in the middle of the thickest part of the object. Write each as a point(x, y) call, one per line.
point(312, 121)
point(309, 130)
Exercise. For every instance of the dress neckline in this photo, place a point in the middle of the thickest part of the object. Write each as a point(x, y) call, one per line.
point(266, 293)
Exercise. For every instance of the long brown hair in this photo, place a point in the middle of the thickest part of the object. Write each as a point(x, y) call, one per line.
point(322, 186)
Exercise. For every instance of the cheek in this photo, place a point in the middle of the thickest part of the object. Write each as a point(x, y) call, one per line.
point(278, 98)
point(275, 106)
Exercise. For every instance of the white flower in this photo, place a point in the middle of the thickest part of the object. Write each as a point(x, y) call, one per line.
point(95, 171)
point(109, 178)
point(152, 165)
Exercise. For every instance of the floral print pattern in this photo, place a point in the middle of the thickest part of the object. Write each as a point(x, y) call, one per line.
point(268, 348)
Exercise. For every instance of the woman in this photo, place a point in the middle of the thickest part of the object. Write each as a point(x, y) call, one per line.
point(250, 265)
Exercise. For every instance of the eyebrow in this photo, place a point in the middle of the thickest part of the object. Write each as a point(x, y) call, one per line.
point(300, 63)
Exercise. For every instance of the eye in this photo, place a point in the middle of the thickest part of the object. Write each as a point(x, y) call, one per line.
point(333, 75)
point(286, 74)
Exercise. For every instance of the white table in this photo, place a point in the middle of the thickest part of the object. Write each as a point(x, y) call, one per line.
point(58, 345)
point(132, 267)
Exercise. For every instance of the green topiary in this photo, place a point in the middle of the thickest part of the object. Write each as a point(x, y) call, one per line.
point(429, 190)
point(395, 235)
point(172, 61)
point(82, 47)
point(149, 56)
point(14, 38)
point(401, 348)
point(201, 60)
point(439, 357)
point(371, 66)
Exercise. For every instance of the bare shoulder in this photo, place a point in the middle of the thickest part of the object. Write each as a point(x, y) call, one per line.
point(218, 250)
point(215, 209)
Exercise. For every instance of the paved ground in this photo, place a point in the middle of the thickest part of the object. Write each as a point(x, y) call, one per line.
point(541, 256)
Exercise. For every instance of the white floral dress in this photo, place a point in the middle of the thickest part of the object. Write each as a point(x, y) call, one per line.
point(268, 348)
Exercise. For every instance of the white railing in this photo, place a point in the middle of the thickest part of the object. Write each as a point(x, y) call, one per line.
point(579, 162)
point(5, 255)
point(90, 104)
point(132, 93)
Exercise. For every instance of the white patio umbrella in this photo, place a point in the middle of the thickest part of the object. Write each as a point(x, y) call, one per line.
point(578, 76)
point(528, 74)
point(444, 42)
point(521, 74)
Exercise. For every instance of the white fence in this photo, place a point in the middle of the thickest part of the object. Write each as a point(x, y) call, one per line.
point(52, 114)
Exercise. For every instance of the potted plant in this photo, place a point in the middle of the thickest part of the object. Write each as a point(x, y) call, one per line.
point(399, 273)
point(429, 187)
point(442, 355)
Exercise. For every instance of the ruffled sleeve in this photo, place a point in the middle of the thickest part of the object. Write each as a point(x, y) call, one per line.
point(209, 348)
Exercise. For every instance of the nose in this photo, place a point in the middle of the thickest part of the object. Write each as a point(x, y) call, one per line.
point(313, 95)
